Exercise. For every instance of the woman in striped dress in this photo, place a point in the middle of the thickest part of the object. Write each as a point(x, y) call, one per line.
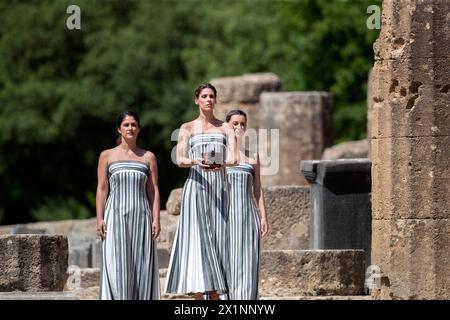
point(128, 208)
point(199, 255)
point(247, 220)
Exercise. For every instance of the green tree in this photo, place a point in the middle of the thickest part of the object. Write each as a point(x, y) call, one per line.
point(61, 90)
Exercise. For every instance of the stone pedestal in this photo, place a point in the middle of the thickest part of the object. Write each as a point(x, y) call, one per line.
point(410, 135)
point(287, 209)
point(340, 204)
point(33, 262)
point(242, 92)
point(311, 272)
point(304, 123)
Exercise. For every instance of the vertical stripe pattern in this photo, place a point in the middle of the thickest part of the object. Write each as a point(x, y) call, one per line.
point(243, 235)
point(130, 268)
point(199, 260)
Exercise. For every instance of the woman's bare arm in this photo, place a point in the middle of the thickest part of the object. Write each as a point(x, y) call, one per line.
point(153, 194)
point(102, 193)
point(259, 196)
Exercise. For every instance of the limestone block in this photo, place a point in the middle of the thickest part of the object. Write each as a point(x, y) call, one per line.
point(246, 88)
point(411, 177)
point(33, 262)
point(169, 225)
point(288, 211)
point(414, 258)
point(414, 29)
point(64, 227)
point(347, 150)
point(173, 203)
point(312, 272)
point(80, 249)
point(304, 123)
point(411, 98)
point(90, 277)
point(96, 253)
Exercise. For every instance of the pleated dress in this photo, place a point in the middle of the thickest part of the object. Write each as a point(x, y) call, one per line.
point(243, 234)
point(199, 257)
point(130, 268)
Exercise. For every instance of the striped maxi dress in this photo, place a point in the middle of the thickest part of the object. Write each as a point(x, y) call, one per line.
point(243, 234)
point(130, 268)
point(199, 255)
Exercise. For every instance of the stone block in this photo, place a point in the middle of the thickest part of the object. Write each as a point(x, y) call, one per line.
point(303, 121)
point(413, 29)
point(80, 249)
point(96, 253)
point(312, 272)
point(411, 177)
point(173, 203)
point(414, 258)
point(245, 88)
point(411, 98)
point(33, 262)
point(90, 277)
point(347, 150)
point(24, 229)
point(288, 211)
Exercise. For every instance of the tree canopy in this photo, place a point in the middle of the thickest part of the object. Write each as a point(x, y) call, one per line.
point(61, 90)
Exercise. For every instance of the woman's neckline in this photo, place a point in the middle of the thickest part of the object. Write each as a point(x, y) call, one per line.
point(215, 132)
point(127, 160)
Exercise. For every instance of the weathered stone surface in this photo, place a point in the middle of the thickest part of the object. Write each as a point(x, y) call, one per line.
point(55, 295)
point(414, 29)
point(410, 132)
point(173, 203)
point(90, 277)
point(24, 229)
point(169, 225)
point(33, 262)
point(65, 227)
point(411, 177)
point(311, 272)
point(288, 211)
point(243, 93)
point(347, 150)
point(411, 98)
point(370, 83)
point(414, 258)
point(246, 88)
point(80, 250)
point(304, 123)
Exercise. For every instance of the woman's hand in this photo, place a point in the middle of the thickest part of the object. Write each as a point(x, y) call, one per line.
point(101, 229)
point(201, 163)
point(264, 227)
point(156, 228)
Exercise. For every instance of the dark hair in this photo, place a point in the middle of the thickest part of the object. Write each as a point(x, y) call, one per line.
point(235, 112)
point(204, 86)
point(128, 113)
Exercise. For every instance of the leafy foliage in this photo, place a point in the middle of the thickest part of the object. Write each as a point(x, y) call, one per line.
point(61, 90)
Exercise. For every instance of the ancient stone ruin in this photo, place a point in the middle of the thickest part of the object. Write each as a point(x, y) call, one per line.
point(410, 150)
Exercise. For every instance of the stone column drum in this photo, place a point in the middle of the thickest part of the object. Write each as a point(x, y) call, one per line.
point(410, 151)
point(33, 262)
point(242, 92)
point(304, 124)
